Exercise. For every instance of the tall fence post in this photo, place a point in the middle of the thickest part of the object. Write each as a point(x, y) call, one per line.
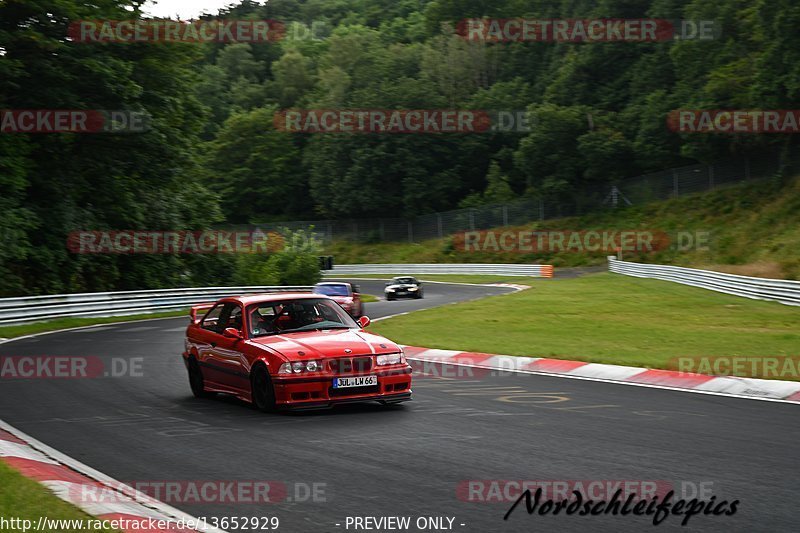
point(505, 215)
point(439, 225)
point(711, 176)
point(541, 209)
point(410, 233)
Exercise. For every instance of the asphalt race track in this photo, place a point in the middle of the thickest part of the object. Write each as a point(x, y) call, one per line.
point(410, 460)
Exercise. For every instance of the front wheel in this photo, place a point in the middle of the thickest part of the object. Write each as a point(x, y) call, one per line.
point(262, 391)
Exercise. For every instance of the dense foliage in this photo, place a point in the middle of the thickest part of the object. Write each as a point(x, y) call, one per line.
point(213, 157)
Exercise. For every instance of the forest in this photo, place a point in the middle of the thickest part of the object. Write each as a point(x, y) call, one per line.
point(213, 157)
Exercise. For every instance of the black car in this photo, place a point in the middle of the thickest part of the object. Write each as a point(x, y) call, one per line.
point(403, 287)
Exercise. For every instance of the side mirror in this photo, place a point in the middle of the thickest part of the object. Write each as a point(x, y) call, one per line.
point(232, 333)
point(364, 321)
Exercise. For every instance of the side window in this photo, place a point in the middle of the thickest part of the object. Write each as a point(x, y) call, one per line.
point(211, 320)
point(235, 319)
point(225, 316)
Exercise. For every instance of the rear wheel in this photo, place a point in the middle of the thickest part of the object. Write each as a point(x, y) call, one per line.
point(262, 391)
point(196, 381)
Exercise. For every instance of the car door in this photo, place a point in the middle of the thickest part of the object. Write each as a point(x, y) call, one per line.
point(226, 360)
point(204, 339)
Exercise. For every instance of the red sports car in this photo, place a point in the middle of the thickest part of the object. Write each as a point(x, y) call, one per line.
point(287, 350)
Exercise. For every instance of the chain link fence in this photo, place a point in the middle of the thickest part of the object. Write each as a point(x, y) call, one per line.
point(638, 190)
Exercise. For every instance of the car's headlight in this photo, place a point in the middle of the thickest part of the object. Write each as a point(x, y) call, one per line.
point(390, 359)
point(389, 290)
point(412, 288)
point(300, 366)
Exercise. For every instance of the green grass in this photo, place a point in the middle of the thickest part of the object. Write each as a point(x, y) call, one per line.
point(367, 298)
point(23, 498)
point(606, 318)
point(450, 278)
point(754, 230)
point(10, 332)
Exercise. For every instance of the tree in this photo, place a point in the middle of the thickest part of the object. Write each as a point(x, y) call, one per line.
point(255, 169)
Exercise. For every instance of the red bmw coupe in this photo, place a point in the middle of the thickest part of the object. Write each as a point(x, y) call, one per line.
point(298, 351)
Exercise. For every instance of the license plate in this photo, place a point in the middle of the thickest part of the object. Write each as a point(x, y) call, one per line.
point(358, 381)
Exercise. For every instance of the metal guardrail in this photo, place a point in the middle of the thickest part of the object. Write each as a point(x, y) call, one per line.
point(543, 271)
point(784, 291)
point(26, 309)
point(98, 304)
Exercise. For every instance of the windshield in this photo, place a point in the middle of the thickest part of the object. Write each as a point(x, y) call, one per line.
point(332, 290)
point(307, 314)
point(405, 280)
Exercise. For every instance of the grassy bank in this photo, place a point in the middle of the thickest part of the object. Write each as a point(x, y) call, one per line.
point(606, 318)
point(25, 499)
point(753, 229)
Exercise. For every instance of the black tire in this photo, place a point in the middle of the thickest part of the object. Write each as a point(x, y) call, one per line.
point(418, 295)
point(261, 390)
point(389, 298)
point(196, 381)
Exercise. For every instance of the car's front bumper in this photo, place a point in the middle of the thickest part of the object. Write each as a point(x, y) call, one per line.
point(292, 392)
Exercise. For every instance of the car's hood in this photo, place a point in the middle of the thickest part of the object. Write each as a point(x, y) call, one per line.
point(341, 299)
point(326, 344)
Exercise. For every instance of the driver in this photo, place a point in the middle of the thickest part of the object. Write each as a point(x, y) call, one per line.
point(262, 324)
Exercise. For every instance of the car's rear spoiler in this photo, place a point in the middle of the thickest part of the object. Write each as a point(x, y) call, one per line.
point(200, 310)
